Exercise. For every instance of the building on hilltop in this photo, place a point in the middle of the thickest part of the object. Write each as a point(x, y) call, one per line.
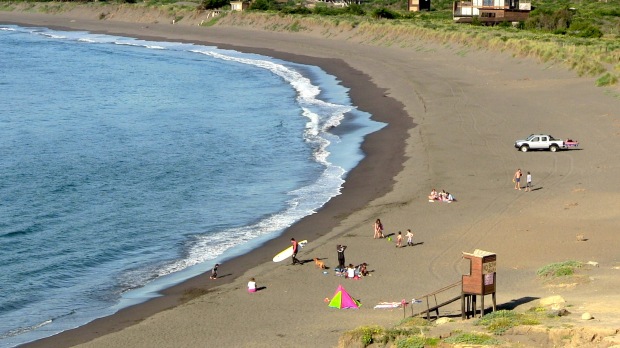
point(491, 11)
point(419, 5)
point(239, 5)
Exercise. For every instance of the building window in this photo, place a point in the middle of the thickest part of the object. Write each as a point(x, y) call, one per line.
point(487, 2)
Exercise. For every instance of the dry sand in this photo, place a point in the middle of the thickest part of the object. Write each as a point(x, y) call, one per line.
point(454, 114)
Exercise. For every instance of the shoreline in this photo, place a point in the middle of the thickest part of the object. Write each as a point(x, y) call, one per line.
point(454, 113)
point(354, 193)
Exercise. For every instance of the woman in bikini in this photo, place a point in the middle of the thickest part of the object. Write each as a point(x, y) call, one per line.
point(378, 229)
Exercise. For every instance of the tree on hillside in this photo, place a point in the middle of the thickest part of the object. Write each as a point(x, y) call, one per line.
point(213, 4)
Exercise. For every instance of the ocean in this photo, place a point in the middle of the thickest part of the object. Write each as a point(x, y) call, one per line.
point(129, 166)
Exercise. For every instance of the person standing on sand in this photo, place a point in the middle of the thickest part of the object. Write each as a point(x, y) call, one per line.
point(409, 236)
point(340, 249)
point(252, 285)
point(517, 179)
point(295, 250)
point(528, 182)
point(399, 240)
point(378, 229)
point(214, 271)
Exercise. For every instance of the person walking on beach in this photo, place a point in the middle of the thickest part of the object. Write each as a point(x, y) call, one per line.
point(528, 182)
point(378, 229)
point(214, 271)
point(295, 250)
point(409, 236)
point(340, 249)
point(399, 240)
point(517, 179)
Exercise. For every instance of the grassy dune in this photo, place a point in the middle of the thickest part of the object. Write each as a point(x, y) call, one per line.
point(588, 57)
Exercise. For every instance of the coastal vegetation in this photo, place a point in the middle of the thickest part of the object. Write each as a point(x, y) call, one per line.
point(581, 36)
point(559, 269)
point(497, 323)
point(472, 338)
point(414, 332)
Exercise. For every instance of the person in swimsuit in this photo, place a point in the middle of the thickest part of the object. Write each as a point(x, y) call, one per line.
point(214, 271)
point(517, 179)
point(295, 250)
point(378, 229)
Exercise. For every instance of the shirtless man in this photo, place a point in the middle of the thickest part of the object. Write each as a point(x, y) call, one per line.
point(517, 179)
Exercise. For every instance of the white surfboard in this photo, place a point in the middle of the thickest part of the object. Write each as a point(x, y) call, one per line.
point(288, 252)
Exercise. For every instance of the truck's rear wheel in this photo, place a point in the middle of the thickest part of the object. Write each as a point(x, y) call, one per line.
point(524, 148)
point(553, 148)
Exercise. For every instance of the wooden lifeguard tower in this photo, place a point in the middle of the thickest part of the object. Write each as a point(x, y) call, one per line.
point(480, 281)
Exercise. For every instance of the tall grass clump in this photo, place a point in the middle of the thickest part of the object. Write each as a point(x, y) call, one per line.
point(399, 336)
point(413, 322)
point(607, 79)
point(364, 335)
point(500, 321)
point(411, 342)
point(472, 338)
point(559, 269)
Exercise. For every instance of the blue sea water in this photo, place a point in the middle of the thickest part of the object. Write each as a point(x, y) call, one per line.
point(128, 166)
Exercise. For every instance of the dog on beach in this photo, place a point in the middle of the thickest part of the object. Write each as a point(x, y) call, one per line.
point(320, 264)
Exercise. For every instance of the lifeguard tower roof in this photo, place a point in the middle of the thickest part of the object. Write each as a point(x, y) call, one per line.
point(479, 253)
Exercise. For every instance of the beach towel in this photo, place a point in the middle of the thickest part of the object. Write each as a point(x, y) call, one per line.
point(387, 305)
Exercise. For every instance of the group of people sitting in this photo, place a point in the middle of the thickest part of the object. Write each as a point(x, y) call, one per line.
point(442, 196)
point(353, 272)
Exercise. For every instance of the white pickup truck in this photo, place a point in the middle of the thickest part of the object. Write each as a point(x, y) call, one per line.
point(544, 142)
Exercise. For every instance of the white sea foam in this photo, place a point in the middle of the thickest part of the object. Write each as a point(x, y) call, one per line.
point(22, 330)
point(306, 200)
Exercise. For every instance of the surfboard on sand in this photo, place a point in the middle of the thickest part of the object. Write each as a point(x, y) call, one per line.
point(288, 252)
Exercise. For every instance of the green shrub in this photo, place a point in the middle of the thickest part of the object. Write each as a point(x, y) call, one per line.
point(413, 322)
point(296, 10)
point(472, 338)
point(559, 269)
point(500, 321)
point(355, 10)
point(364, 334)
point(393, 334)
point(607, 79)
point(582, 29)
point(324, 10)
point(384, 13)
point(213, 4)
point(411, 342)
point(263, 5)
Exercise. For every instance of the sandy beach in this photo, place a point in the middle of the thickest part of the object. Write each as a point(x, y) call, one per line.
point(453, 115)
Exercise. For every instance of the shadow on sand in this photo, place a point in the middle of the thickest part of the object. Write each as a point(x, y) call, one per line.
point(516, 302)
